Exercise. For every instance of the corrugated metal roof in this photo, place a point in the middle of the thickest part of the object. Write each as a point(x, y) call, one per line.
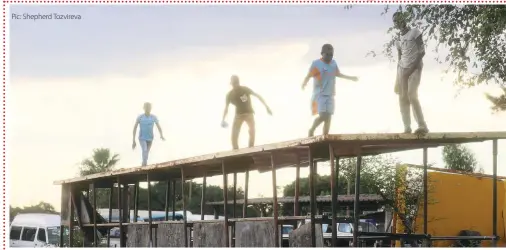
point(287, 154)
point(305, 199)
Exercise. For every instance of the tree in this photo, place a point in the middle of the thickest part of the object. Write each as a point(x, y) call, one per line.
point(263, 209)
point(473, 34)
point(346, 172)
point(400, 188)
point(345, 182)
point(498, 102)
point(102, 160)
point(41, 207)
point(459, 157)
point(322, 188)
point(158, 193)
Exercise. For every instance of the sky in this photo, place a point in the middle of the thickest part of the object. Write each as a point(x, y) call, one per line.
point(76, 85)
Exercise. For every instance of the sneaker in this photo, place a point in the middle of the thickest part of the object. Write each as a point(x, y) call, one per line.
point(422, 130)
point(407, 131)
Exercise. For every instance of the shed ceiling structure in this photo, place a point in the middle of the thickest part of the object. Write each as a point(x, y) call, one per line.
point(286, 154)
point(346, 198)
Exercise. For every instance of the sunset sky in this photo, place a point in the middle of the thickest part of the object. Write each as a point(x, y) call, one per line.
point(76, 85)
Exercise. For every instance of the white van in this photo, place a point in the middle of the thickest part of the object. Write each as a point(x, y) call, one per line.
point(35, 230)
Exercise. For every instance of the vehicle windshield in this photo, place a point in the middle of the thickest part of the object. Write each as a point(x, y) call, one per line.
point(53, 235)
point(347, 227)
point(367, 227)
point(287, 229)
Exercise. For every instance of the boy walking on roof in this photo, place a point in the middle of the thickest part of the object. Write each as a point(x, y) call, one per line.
point(409, 72)
point(240, 97)
point(145, 123)
point(324, 72)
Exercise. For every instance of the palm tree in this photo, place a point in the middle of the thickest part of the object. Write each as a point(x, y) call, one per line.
point(100, 161)
point(499, 103)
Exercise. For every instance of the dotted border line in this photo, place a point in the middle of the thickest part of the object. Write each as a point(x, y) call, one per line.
point(4, 167)
point(4, 5)
point(261, 1)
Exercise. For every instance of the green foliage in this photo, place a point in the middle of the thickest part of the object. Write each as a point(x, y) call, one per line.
point(459, 157)
point(42, 207)
point(345, 182)
point(158, 193)
point(379, 175)
point(498, 102)
point(101, 161)
point(323, 187)
point(401, 188)
point(474, 36)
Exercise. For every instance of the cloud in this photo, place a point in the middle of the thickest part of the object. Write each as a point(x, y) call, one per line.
point(107, 40)
point(61, 122)
point(66, 101)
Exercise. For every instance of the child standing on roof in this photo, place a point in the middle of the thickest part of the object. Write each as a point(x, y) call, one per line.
point(240, 97)
point(324, 72)
point(145, 122)
point(411, 51)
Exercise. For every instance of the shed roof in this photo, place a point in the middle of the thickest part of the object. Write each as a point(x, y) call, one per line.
point(286, 154)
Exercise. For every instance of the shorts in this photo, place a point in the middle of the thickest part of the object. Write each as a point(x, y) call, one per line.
point(322, 104)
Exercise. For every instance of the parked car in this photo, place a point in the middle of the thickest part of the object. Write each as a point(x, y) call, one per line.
point(285, 232)
point(345, 233)
point(35, 230)
point(115, 232)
